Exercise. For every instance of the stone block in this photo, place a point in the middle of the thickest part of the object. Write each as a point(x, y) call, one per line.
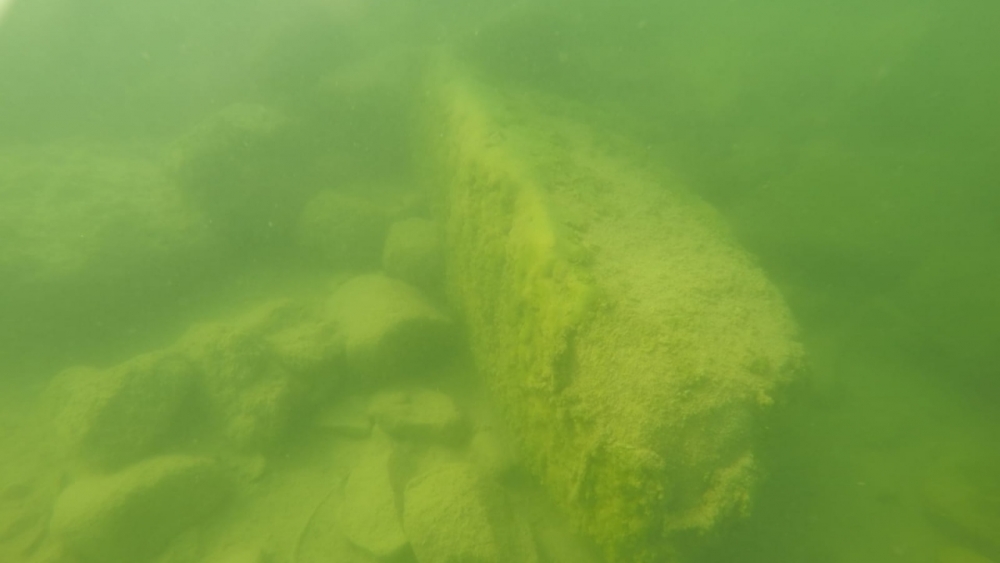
point(633, 347)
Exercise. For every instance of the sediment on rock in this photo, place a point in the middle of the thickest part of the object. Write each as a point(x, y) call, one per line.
point(632, 345)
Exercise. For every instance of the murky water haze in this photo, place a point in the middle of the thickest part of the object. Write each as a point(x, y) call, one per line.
point(854, 148)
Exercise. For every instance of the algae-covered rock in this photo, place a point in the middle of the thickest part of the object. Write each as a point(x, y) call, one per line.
point(453, 515)
point(93, 240)
point(419, 415)
point(414, 253)
point(116, 416)
point(249, 394)
point(241, 166)
point(260, 370)
point(75, 214)
point(390, 328)
point(312, 347)
point(341, 230)
point(368, 515)
point(633, 347)
point(246, 380)
point(132, 515)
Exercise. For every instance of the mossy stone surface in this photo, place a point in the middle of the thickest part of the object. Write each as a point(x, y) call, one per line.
point(633, 346)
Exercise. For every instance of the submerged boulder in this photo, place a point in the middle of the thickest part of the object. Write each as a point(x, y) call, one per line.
point(390, 328)
point(240, 166)
point(249, 395)
point(368, 515)
point(83, 214)
point(259, 371)
point(96, 245)
point(633, 347)
point(453, 515)
point(116, 416)
point(133, 515)
point(241, 383)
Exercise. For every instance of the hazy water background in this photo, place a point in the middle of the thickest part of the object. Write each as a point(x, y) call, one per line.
point(854, 147)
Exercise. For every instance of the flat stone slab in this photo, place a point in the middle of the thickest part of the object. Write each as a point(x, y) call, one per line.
point(116, 416)
point(368, 515)
point(420, 415)
point(390, 328)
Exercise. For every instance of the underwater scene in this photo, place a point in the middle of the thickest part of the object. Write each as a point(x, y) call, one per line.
point(537, 281)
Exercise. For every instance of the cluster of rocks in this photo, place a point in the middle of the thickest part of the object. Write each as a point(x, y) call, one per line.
point(266, 189)
point(160, 443)
point(101, 243)
point(235, 385)
point(425, 485)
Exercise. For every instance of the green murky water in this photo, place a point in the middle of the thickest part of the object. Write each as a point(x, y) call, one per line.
point(167, 166)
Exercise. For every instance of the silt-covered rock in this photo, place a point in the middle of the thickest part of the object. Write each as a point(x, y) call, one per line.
point(368, 515)
point(632, 346)
point(453, 515)
point(116, 416)
point(132, 515)
point(240, 166)
point(390, 328)
point(259, 371)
